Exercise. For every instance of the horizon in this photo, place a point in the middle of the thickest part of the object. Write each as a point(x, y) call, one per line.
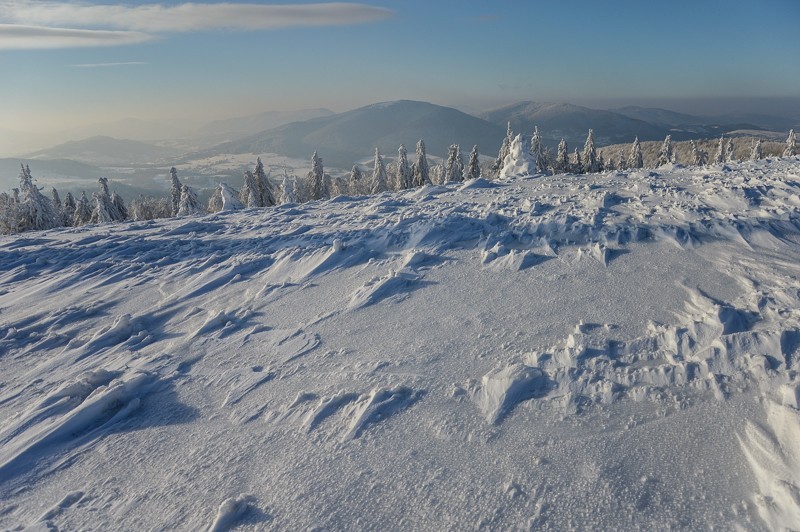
point(83, 64)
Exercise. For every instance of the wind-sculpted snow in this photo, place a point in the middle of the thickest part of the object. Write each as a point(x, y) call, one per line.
point(606, 351)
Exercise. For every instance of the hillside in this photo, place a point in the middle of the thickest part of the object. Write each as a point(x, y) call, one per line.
point(249, 125)
point(600, 352)
point(107, 151)
point(345, 138)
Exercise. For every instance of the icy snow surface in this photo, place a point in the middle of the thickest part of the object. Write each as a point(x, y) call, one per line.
point(613, 351)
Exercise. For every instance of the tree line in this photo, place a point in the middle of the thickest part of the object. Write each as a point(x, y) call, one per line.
point(27, 208)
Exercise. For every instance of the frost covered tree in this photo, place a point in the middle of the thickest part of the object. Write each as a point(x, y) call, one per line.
point(404, 176)
point(622, 162)
point(69, 209)
point(356, 178)
point(538, 151)
point(35, 210)
point(636, 159)
point(420, 169)
point(454, 167)
point(719, 156)
point(590, 163)
point(150, 208)
point(55, 199)
point(9, 212)
point(562, 158)
point(175, 191)
point(504, 149)
point(757, 152)
point(83, 211)
point(791, 145)
point(288, 189)
point(519, 161)
point(729, 152)
point(249, 195)
point(578, 164)
point(665, 154)
point(189, 204)
point(379, 181)
point(473, 166)
point(316, 178)
point(609, 165)
point(224, 198)
point(266, 196)
point(118, 203)
point(108, 207)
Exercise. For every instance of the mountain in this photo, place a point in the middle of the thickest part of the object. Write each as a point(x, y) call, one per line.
point(51, 171)
point(242, 126)
point(662, 117)
point(615, 351)
point(107, 151)
point(572, 122)
point(342, 139)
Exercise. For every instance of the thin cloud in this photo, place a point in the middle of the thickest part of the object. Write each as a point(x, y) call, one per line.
point(158, 18)
point(19, 37)
point(108, 65)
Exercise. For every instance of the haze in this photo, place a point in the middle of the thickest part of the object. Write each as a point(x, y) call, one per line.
point(74, 67)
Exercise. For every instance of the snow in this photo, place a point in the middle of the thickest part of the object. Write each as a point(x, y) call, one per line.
point(610, 351)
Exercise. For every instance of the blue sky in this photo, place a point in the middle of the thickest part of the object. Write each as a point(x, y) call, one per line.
point(68, 64)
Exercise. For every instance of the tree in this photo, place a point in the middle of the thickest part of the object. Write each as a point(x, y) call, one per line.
point(69, 209)
point(757, 152)
point(107, 207)
point(356, 178)
point(578, 164)
point(519, 161)
point(189, 204)
point(266, 196)
point(590, 164)
point(420, 169)
point(404, 176)
point(58, 206)
point(249, 195)
point(83, 211)
point(719, 156)
point(35, 210)
point(635, 159)
point(454, 167)
point(150, 208)
point(473, 166)
point(609, 165)
point(288, 188)
point(175, 190)
point(791, 145)
point(9, 212)
point(562, 158)
point(504, 149)
point(538, 151)
point(666, 154)
point(224, 198)
point(622, 163)
point(316, 178)
point(379, 182)
point(120, 211)
point(729, 152)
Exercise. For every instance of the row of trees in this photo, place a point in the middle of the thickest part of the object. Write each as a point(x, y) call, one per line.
point(27, 208)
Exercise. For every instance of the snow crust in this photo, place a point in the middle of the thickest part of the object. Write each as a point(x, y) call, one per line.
point(610, 351)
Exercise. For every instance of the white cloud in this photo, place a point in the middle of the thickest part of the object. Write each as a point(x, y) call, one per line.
point(18, 37)
point(158, 18)
point(107, 65)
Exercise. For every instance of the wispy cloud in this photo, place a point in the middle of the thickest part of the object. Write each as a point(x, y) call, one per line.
point(108, 65)
point(20, 37)
point(157, 18)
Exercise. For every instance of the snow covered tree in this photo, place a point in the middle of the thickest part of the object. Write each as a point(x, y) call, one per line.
point(757, 152)
point(636, 159)
point(519, 161)
point(55, 199)
point(404, 176)
point(379, 181)
point(561, 165)
point(224, 198)
point(504, 149)
point(608, 166)
point(622, 162)
point(454, 167)
point(108, 207)
point(175, 190)
point(356, 178)
point(791, 145)
point(420, 169)
point(35, 210)
point(9, 212)
point(266, 196)
point(665, 154)
point(729, 152)
point(316, 179)
point(150, 208)
point(473, 166)
point(69, 209)
point(249, 195)
point(83, 211)
point(538, 151)
point(288, 189)
point(189, 204)
point(578, 168)
point(590, 164)
point(119, 207)
point(719, 156)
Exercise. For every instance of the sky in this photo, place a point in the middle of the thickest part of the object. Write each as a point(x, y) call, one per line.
point(68, 64)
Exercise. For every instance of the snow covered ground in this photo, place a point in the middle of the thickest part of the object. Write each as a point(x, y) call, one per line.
point(612, 351)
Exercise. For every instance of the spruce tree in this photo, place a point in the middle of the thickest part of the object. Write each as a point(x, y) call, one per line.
point(473, 166)
point(175, 191)
point(665, 154)
point(454, 167)
point(249, 195)
point(69, 209)
point(356, 178)
point(189, 204)
point(729, 152)
point(578, 164)
point(757, 152)
point(83, 211)
point(719, 156)
point(288, 189)
point(791, 145)
point(36, 211)
point(316, 178)
point(505, 147)
point(404, 177)
point(562, 158)
point(420, 168)
point(590, 164)
point(636, 159)
point(266, 196)
point(379, 182)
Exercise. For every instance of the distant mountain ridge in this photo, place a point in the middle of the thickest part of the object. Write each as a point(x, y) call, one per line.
point(103, 150)
point(241, 126)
